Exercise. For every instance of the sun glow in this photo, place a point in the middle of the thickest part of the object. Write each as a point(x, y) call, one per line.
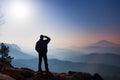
point(18, 10)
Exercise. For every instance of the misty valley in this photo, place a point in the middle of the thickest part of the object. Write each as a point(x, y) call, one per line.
point(64, 60)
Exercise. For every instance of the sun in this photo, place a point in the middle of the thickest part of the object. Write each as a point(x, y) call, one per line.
point(18, 9)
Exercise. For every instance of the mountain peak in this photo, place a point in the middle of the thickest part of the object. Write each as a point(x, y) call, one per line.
point(105, 43)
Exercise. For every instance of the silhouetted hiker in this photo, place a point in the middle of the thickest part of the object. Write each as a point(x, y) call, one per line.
point(41, 48)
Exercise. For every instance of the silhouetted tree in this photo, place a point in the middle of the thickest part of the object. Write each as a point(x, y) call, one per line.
point(5, 59)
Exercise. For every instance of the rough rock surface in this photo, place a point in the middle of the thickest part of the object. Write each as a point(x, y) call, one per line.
point(27, 74)
point(5, 77)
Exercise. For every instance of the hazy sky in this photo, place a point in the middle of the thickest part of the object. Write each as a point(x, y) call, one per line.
point(67, 22)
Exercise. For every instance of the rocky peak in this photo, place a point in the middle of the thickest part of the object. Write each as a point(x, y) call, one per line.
point(28, 74)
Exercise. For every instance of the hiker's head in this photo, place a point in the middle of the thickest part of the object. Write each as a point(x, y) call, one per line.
point(41, 36)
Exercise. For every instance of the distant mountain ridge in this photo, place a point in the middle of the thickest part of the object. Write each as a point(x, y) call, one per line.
point(105, 43)
point(13, 46)
point(16, 52)
point(101, 47)
point(109, 59)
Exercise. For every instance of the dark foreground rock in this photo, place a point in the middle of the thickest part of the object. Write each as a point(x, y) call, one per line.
point(28, 74)
point(5, 77)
